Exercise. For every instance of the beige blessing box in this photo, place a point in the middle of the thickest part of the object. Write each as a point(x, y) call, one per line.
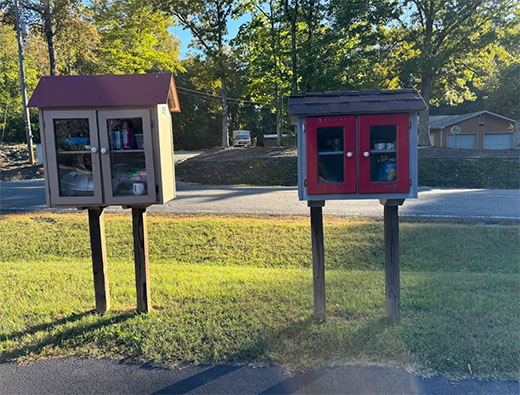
point(107, 139)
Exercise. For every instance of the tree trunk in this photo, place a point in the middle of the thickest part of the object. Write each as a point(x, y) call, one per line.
point(225, 137)
point(23, 88)
point(424, 116)
point(294, 57)
point(310, 59)
point(49, 35)
point(278, 118)
point(275, 38)
point(292, 17)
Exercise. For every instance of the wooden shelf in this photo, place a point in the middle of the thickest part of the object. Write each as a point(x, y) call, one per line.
point(331, 153)
point(383, 151)
point(73, 152)
point(127, 151)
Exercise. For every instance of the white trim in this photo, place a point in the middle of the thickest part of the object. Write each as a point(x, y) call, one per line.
point(464, 117)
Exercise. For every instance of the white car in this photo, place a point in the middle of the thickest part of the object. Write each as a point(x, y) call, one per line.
point(241, 138)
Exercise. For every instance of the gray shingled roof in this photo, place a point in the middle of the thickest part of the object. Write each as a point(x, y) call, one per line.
point(356, 102)
point(442, 121)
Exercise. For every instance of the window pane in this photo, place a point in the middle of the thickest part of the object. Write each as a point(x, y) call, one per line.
point(75, 174)
point(72, 138)
point(127, 157)
point(383, 153)
point(331, 164)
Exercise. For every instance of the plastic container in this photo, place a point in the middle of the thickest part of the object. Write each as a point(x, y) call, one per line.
point(139, 141)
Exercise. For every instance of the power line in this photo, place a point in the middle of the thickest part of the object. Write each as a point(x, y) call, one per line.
point(212, 96)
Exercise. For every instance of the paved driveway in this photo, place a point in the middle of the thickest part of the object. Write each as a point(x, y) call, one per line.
point(103, 376)
point(456, 204)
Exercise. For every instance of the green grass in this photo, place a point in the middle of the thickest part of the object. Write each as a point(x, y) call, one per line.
point(240, 290)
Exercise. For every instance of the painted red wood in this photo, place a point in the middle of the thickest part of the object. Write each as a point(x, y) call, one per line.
point(348, 123)
point(402, 184)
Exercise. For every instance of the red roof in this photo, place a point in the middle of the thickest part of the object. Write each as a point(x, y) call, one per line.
point(106, 91)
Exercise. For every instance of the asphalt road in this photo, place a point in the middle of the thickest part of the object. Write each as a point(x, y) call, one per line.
point(450, 204)
point(104, 376)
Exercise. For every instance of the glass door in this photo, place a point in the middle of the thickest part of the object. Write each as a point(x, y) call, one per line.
point(127, 156)
point(384, 153)
point(73, 166)
point(331, 155)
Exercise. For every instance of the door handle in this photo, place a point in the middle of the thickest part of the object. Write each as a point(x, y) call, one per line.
point(349, 154)
point(365, 154)
point(103, 150)
point(93, 150)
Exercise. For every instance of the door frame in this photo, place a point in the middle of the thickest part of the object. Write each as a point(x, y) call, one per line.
point(401, 121)
point(349, 185)
point(144, 114)
point(52, 157)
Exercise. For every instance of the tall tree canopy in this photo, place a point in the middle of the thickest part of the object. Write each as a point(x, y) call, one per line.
point(207, 20)
point(445, 36)
point(456, 52)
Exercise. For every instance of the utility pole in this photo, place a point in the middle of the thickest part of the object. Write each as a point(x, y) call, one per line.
point(28, 133)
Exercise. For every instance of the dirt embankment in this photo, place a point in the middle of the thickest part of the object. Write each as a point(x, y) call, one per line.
point(438, 167)
point(14, 164)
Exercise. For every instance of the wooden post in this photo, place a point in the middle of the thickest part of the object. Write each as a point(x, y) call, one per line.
point(392, 286)
point(142, 272)
point(318, 258)
point(96, 222)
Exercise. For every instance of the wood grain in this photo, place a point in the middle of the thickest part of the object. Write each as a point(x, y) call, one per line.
point(318, 262)
point(392, 286)
point(96, 221)
point(142, 272)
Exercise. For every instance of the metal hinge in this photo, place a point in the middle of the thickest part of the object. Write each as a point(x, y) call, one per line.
point(410, 125)
point(157, 189)
point(410, 181)
point(305, 182)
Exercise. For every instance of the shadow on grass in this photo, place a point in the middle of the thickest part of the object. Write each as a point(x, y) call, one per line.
point(44, 327)
point(60, 337)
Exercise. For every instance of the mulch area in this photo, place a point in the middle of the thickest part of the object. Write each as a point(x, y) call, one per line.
point(218, 154)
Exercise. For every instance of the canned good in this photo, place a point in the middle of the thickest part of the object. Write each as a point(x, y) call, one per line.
point(116, 135)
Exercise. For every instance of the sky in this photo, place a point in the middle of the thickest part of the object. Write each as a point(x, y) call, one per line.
point(185, 36)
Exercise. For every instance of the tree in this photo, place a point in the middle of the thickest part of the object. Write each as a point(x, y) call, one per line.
point(292, 11)
point(262, 43)
point(133, 38)
point(207, 21)
point(446, 33)
point(48, 16)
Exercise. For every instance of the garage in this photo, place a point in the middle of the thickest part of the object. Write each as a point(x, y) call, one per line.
point(498, 140)
point(468, 141)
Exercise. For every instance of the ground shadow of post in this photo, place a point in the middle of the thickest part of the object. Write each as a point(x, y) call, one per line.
point(60, 337)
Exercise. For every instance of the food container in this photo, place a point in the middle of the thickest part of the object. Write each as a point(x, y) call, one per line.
point(139, 142)
point(379, 146)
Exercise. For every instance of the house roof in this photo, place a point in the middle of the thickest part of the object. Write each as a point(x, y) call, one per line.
point(356, 102)
point(442, 121)
point(106, 91)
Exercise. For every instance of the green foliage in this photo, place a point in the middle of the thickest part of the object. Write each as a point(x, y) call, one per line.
point(455, 52)
point(134, 38)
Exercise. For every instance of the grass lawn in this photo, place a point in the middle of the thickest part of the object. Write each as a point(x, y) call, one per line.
point(239, 289)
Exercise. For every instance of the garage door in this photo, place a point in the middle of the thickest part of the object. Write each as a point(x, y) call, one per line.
point(498, 140)
point(462, 141)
